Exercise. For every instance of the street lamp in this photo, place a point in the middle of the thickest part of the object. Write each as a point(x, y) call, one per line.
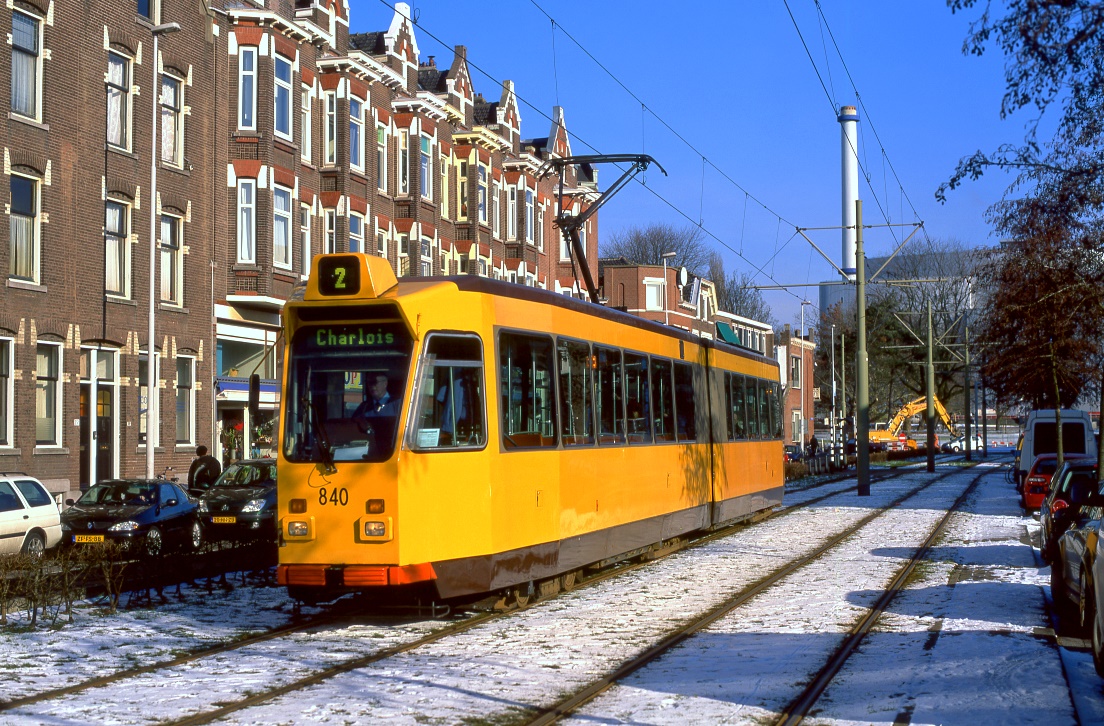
point(804, 372)
point(152, 413)
point(666, 315)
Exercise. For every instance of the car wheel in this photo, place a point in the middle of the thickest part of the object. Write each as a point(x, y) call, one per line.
point(34, 545)
point(197, 535)
point(154, 543)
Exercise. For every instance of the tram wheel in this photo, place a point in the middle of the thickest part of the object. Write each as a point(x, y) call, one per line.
point(567, 581)
point(523, 595)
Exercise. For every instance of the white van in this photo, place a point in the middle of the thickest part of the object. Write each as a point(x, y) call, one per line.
point(29, 517)
point(1040, 436)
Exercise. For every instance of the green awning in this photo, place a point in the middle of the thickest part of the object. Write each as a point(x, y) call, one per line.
point(727, 334)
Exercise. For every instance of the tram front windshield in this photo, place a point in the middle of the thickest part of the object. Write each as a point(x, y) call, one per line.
point(346, 384)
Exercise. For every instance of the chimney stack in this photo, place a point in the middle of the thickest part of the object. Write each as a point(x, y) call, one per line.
point(849, 124)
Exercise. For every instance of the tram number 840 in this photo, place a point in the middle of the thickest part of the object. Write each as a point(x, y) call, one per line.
point(337, 495)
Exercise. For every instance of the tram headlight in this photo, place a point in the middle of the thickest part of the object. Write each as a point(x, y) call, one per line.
point(375, 529)
point(297, 529)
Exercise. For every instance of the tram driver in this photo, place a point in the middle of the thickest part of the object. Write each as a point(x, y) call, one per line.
point(378, 411)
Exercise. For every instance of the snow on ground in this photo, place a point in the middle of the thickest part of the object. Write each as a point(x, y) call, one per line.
point(959, 645)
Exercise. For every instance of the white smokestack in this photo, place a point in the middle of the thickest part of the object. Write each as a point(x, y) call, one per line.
point(849, 124)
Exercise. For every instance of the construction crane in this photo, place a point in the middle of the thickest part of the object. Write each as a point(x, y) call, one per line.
point(891, 432)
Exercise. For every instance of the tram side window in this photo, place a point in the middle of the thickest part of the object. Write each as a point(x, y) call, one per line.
point(663, 411)
point(576, 408)
point(764, 411)
point(728, 405)
point(739, 419)
point(608, 396)
point(685, 409)
point(528, 413)
point(636, 399)
point(451, 394)
point(775, 409)
point(751, 407)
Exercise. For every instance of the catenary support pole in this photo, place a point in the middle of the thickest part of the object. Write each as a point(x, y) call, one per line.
point(966, 392)
point(862, 393)
point(929, 386)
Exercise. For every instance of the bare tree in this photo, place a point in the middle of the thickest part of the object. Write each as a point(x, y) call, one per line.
point(647, 245)
point(736, 293)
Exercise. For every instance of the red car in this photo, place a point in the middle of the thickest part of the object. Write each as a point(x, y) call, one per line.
point(1037, 482)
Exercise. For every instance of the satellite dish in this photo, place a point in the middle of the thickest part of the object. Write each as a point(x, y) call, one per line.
point(683, 277)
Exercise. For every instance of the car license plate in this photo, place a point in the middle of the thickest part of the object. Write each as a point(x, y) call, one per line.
point(223, 520)
point(88, 538)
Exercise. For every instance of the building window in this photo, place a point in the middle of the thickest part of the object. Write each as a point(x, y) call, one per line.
point(529, 217)
point(404, 245)
point(653, 295)
point(172, 121)
point(24, 228)
point(462, 191)
point(795, 426)
point(331, 128)
point(247, 227)
point(281, 227)
point(795, 372)
point(305, 123)
point(426, 257)
point(6, 392)
point(116, 228)
point(381, 158)
point(511, 212)
point(143, 396)
point(496, 210)
point(482, 194)
point(118, 100)
point(356, 133)
point(426, 180)
point(304, 236)
point(381, 243)
point(330, 242)
point(145, 9)
point(47, 395)
point(26, 69)
point(444, 187)
point(172, 271)
point(356, 233)
point(282, 95)
point(540, 228)
point(247, 89)
point(404, 162)
point(185, 400)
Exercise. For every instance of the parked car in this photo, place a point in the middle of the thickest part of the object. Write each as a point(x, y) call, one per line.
point(241, 504)
point(29, 518)
point(1037, 484)
point(958, 444)
point(1058, 510)
point(1071, 571)
point(147, 516)
point(1041, 436)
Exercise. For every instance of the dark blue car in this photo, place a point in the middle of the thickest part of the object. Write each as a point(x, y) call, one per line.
point(241, 504)
point(146, 516)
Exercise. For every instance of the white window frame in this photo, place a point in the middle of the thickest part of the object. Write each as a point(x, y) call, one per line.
point(425, 167)
point(356, 239)
point(176, 113)
point(247, 222)
point(381, 243)
point(356, 133)
point(425, 257)
point(247, 98)
point(795, 426)
point(511, 212)
point(143, 418)
point(381, 157)
point(307, 131)
point(795, 371)
point(305, 237)
point(7, 393)
point(329, 242)
point(540, 227)
point(530, 216)
point(122, 238)
point(176, 274)
point(284, 261)
point(444, 186)
point(36, 230)
point(462, 192)
point(653, 295)
point(404, 161)
point(58, 382)
point(496, 210)
point(482, 201)
point(122, 91)
point(37, 55)
point(286, 89)
point(330, 131)
point(190, 416)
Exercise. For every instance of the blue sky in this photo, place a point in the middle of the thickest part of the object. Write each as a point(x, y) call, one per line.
point(735, 82)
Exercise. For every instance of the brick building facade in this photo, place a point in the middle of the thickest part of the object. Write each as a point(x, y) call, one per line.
point(279, 135)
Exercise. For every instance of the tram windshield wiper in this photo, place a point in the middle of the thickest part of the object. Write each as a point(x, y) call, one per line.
point(318, 431)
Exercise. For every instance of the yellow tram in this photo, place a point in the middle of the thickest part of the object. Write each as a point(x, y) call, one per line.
point(463, 435)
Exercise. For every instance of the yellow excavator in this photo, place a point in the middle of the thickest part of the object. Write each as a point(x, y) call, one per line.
point(891, 431)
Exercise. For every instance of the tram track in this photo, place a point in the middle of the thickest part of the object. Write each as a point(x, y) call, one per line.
point(321, 675)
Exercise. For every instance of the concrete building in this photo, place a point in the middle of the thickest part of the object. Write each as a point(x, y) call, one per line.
point(271, 134)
